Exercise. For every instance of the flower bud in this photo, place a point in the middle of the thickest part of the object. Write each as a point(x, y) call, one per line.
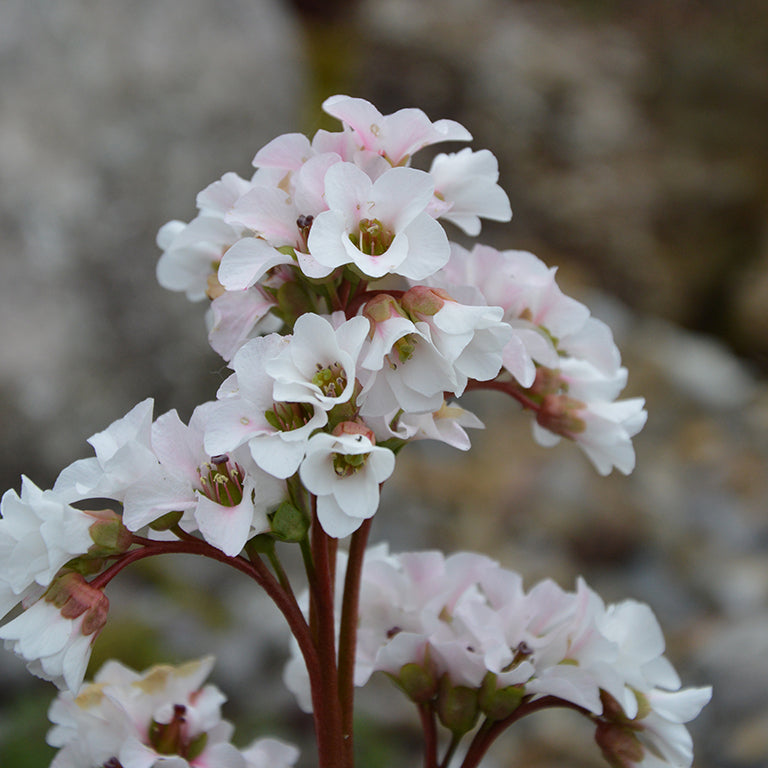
point(422, 301)
point(110, 536)
point(356, 427)
point(74, 596)
point(288, 523)
point(381, 308)
point(620, 746)
point(457, 706)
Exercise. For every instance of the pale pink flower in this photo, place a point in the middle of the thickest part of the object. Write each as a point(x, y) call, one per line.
point(396, 136)
point(466, 189)
point(236, 316)
point(276, 432)
point(225, 497)
point(39, 533)
point(344, 471)
point(163, 717)
point(379, 226)
point(55, 634)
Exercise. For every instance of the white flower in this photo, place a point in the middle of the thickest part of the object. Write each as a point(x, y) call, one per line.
point(163, 717)
point(466, 188)
point(39, 533)
point(470, 338)
point(226, 502)
point(318, 365)
point(276, 432)
point(55, 634)
point(123, 455)
point(379, 226)
point(401, 369)
point(344, 472)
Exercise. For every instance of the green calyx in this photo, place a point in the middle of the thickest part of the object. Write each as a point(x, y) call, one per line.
point(498, 703)
point(457, 706)
point(289, 523)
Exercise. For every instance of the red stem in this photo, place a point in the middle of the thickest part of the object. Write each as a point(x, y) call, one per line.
point(486, 736)
point(429, 727)
point(285, 601)
point(328, 719)
point(348, 630)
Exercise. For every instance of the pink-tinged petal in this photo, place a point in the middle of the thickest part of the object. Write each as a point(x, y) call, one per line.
point(247, 261)
point(358, 114)
point(289, 151)
point(177, 446)
point(235, 313)
point(428, 249)
point(234, 423)
point(270, 212)
point(276, 456)
point(219, 197)
point(400, 195)
point(309, 184)
point(347, 191)
point(226, 528)
point(148, 500)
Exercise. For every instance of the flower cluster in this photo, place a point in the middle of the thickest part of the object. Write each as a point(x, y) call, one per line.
point(352, 326)
point(321, 221)
point(464, 640)
point(163, 717)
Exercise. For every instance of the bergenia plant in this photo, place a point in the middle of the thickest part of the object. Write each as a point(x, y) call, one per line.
point(352, 326)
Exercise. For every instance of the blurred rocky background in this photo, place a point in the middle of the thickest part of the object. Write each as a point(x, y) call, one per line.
point(633, 141)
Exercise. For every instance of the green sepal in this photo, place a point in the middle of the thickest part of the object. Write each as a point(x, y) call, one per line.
point(262, 544)
point(498, 703)
point(85, 565)
point(166, 521)
point(417, 681)
point(197, 746)
point(292, 301)
point(457, 706)
point(110, 537)
point(289, 523)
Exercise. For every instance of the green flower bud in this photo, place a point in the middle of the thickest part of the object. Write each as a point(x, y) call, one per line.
point(457, 706)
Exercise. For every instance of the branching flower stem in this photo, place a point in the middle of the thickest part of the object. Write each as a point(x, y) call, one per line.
point(510, 388)
point(328, 742)
point(490, 731)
